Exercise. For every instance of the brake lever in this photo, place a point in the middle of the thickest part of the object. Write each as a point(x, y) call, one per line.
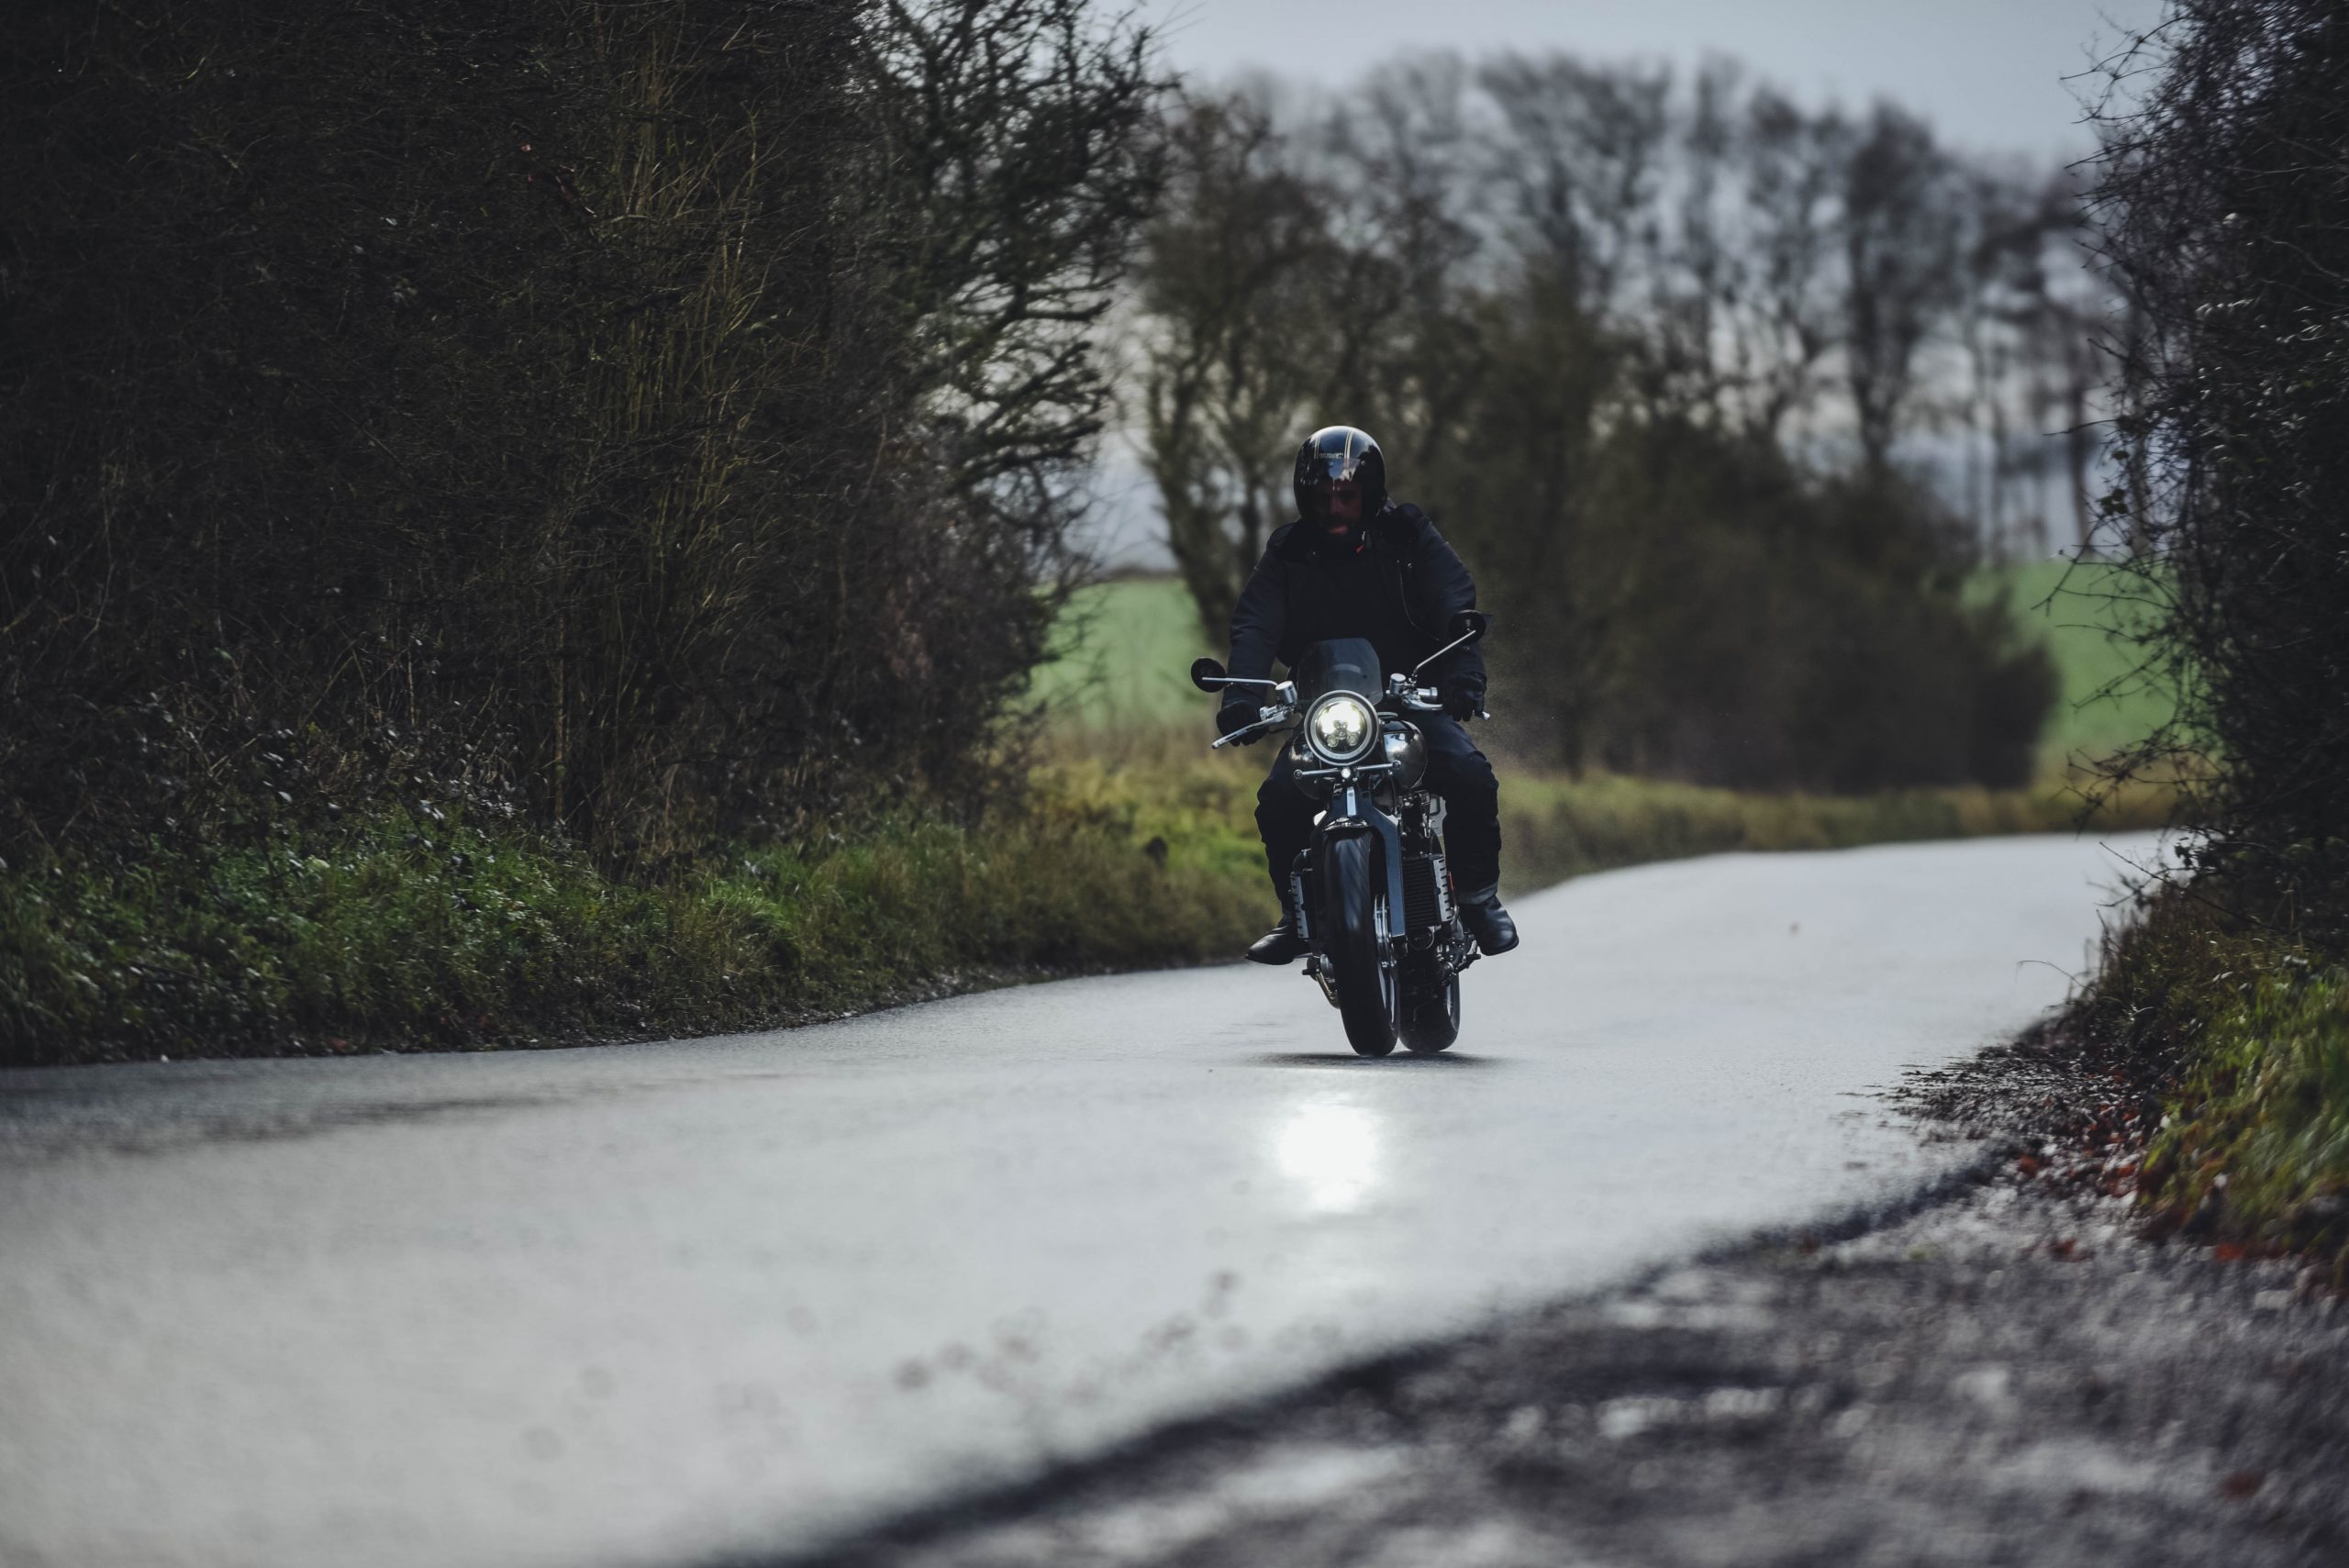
point(1430, 699)
point(1240, 737)
point(1422, 699)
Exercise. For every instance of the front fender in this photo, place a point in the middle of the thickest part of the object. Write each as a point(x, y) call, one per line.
point(1341, 823)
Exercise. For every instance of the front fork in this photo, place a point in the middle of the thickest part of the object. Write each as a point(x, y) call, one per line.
point(1348, 813)
point(1456, 950)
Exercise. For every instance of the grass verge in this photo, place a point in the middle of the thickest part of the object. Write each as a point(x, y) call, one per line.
point(2245, 1030)
point(416, 935)
point(1556, 828)
point(409, 932)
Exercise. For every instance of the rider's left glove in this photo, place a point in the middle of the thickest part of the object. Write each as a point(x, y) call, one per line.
point(1234, 716)
point(1463, 696)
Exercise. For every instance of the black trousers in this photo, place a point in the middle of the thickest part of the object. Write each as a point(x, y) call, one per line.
point(1456, 770)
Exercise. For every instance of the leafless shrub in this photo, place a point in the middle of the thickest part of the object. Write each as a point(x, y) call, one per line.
point(2225, 198)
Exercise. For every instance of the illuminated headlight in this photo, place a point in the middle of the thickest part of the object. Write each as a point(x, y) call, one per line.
point(1341, 726)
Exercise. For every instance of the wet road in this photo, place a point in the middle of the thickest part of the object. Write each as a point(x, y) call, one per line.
point(658, 1304)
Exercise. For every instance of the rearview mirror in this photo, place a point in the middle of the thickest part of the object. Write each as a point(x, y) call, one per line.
point(1205, 674)
point(1469, 624)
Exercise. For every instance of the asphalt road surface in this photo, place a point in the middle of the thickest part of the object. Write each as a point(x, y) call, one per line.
point(668, 1303)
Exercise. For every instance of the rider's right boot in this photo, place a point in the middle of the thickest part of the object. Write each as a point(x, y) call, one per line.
point(1280, 945)
point(1481, 912)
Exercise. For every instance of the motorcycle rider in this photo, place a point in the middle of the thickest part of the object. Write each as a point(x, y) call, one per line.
point(1358, 563)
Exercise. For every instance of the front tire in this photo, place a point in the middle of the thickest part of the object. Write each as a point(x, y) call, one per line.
point(1353, 904)
point(1431, 1017)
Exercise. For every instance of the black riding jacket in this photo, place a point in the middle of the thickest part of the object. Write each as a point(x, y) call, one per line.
point(1395, 582)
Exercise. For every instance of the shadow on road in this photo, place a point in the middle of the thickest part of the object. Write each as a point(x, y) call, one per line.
point(1400, 1060)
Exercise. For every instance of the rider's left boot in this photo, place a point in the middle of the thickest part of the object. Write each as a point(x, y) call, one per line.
point(1487, 921)
point(1282, 944)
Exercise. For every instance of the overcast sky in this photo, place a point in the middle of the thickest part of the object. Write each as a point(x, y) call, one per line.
point(1989, 74)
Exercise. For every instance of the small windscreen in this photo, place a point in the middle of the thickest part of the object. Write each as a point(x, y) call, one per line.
point(1344, 663)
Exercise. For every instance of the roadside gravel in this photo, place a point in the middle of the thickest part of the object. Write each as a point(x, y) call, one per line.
point(2012, 1374)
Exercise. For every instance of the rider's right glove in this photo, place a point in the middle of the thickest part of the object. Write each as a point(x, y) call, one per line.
point(1463, 696)
point(1234, 716)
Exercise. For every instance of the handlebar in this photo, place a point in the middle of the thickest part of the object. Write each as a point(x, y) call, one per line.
point(1418, 699)
point(1421, 699)
point(1409, 699)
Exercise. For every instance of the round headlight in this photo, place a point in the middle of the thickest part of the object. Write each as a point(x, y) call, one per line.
point(1341, 726)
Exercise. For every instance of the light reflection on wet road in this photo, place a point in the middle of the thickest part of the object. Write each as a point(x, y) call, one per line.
point(1330, 1150)
point(649, 1304)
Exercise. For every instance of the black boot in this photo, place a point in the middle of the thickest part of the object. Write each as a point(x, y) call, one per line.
point(1487, 921)
point(1280, 945)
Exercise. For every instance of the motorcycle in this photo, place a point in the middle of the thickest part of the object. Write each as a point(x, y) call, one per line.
point(1372, 891)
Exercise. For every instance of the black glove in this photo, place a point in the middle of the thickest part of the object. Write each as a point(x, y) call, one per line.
point(1234, 716)
point(1463, 696)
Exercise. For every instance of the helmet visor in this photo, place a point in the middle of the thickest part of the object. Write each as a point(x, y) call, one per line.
point(1338, 456)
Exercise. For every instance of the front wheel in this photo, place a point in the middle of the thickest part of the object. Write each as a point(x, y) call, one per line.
point(1353, 923)
point(1431, 1016)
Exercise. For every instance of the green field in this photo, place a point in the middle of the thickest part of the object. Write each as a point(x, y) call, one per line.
point(1125, 646)
point(1125, 649)
point(2084, 613)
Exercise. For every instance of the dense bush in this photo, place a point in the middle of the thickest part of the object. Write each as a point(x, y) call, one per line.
point(1685, 605)
point(656, 417)
point(2226, 197)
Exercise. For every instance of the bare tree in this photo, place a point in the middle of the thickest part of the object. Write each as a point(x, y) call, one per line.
point(1241, 334)
point(1900, 236)
point(1583, 157)
point(1600, 323)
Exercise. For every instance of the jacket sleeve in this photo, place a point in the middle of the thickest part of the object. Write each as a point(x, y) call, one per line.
point(1446, 589)
point(1257, 622)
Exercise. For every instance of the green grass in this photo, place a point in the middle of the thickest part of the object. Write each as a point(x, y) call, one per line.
point(2250, 1030)
point(2265, 1108)
point(415, 934)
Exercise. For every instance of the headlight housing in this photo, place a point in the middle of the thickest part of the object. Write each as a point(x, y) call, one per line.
point(1407, 752)
point(1341, 728)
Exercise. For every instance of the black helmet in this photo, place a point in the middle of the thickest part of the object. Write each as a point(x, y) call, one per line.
point(1340, 453)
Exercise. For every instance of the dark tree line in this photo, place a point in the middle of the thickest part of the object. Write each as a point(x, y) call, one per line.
point(661, 417)
point(1722, 397)
point(2225, 198)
